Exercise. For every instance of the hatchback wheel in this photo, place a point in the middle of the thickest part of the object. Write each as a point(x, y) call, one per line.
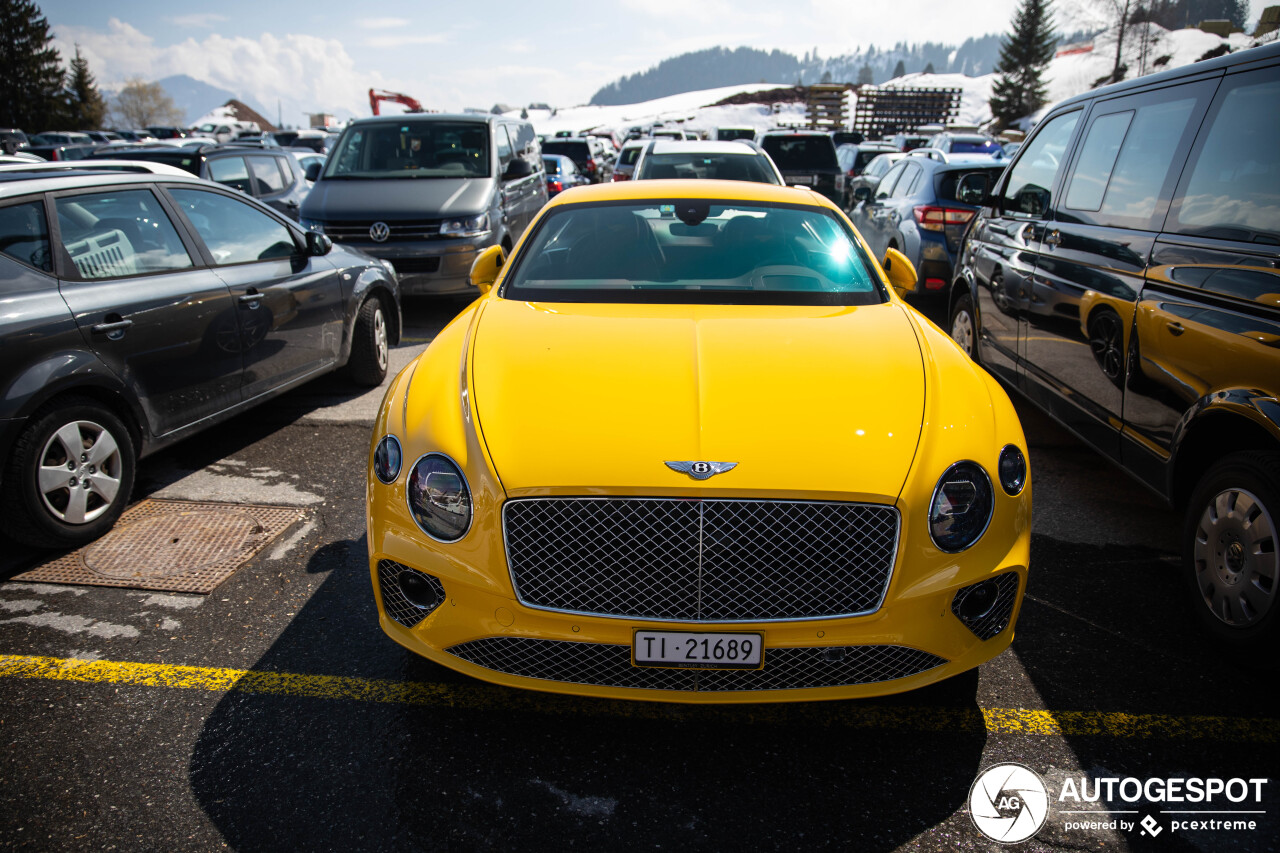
point(1231, 547)
point(964, 326)
point(370, 350)
point(69, 477)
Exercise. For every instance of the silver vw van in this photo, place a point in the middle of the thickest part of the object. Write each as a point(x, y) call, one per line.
point(428, 192)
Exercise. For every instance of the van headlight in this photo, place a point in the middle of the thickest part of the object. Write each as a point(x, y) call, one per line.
point(439, 498)
point(961, 507)
point(465, 226)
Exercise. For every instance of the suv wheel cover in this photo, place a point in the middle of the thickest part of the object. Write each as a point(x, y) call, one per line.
point(1236, 564)
point(79, 472)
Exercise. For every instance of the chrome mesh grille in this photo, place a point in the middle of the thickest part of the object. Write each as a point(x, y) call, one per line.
point(997, 618)
point(394, 601)
point(700, 560)
point(610, 666)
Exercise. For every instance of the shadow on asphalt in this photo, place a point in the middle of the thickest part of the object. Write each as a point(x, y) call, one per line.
point(541, 771)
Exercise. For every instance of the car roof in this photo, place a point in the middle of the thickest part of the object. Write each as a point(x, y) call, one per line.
point(20, 182)
point(667, 189)
point(117, 166)
point(702, 146)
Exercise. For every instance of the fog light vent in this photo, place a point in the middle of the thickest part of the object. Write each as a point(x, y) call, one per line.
point(985, 607)
point(408, 595)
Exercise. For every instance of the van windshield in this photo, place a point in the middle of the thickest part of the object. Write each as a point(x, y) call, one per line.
point(412, 149)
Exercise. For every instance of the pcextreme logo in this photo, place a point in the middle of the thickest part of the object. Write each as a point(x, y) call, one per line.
point(1008, 803)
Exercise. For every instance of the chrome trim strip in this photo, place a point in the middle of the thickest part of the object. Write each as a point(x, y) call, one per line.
point(884, 592)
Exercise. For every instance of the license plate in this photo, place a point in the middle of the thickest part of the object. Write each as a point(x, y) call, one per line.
point(685, 650)
point(800, 179)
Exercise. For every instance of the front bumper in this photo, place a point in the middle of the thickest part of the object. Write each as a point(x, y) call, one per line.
point(439, 267)
point(914, 639)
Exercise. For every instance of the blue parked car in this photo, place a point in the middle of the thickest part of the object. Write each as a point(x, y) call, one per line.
point(562, 173)
point(922, 207)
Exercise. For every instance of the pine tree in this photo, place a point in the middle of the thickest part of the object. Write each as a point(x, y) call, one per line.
point(866, 76)
point(928, 69)
point(87, 107)
point(30, 69)
point(1019, 89)
point(899, 69)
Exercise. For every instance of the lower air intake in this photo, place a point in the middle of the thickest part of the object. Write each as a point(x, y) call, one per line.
point(408, 595)
point(610, 666)
point(985, 608)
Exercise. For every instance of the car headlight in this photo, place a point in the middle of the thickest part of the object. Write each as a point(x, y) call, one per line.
point(961, 507)
point(439, 498)
point(1013, 469)
point(465, 226)
point(311, 225)
point(387, 459)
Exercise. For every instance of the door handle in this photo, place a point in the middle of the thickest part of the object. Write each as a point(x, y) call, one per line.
point(1054, 238)
point(1175, 328)
point(113, 328)
point(251, 298)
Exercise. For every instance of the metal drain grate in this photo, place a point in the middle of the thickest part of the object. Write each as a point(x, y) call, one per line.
point(174, 546)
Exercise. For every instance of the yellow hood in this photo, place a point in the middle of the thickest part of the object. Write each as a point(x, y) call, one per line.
point(817, 402)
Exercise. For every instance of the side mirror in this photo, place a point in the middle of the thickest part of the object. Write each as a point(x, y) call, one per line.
point(484, 269)
point(861, 193)
point(974, 189)
point(318, 244)
point(901, 272)
point(313, 170)
point(516, 169)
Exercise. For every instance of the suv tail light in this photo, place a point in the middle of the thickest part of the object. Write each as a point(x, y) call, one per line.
point(555, 186)
point(938, 218)
point(621, 176)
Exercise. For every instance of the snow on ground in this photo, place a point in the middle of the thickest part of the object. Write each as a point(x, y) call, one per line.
point(1066, 76)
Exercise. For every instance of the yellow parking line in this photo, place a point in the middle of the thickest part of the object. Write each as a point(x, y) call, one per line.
point(478, 697)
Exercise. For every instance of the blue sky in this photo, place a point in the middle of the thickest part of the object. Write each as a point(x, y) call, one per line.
point(323, 55)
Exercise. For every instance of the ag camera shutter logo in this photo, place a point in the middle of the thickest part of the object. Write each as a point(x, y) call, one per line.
point(1008, 803)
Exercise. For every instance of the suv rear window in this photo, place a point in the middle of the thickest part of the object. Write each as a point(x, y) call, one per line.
point(176, 157)
point(579, 151)
point(797, 153)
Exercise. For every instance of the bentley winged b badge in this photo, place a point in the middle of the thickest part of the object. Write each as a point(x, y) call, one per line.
point(701, 470)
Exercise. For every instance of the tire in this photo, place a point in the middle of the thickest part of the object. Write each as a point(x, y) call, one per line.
point(370, 350)
point(42, 510)
point(1231, 550)
point(964, 326)
point(1106, 341)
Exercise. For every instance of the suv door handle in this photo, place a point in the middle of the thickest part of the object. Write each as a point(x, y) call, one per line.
point(1175, 328)
point(251, 298)
point(114, 328)
point(1054, 238)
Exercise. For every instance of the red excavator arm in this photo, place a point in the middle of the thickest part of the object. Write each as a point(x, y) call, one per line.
point(376, 96)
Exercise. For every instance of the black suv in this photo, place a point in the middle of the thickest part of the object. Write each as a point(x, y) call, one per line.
point(1125, 276)
point(804, 157)
point(140, 309)
point(266, 173)
point(589, 163)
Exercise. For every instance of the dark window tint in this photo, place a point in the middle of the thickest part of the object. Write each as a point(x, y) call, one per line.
point(24, 235)
point(723, 167)
point(267, 171)
point(1129, 157)
point(232, 172)
point(1030, 185)
point(234, 231)
point(577, 150)
point(865, 157)
point(797, 153)
point(949, 181)
point(977, 146)
point(551, 165)
point(108, 235)
point(1233, 191)
point(1255, 285)
point(629, 156)
point(172, 157)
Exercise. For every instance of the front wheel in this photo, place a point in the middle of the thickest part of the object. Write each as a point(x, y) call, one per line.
point(1231, 549)
point(69, 477)
point(964, 326)
point(370, 350)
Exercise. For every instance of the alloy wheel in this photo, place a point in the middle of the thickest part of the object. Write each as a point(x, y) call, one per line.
point(79, 472)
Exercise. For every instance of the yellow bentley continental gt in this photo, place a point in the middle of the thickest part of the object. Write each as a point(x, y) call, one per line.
point(690, 445)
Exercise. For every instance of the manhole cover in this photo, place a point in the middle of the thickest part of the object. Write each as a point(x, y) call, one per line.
point(176, 546)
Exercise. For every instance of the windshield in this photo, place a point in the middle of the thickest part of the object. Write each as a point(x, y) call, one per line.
point(693, 251)
point(801, 152)
point(723, 167)
point(412, 149)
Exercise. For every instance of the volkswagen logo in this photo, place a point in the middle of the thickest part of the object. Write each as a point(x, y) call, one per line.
point(379, 232)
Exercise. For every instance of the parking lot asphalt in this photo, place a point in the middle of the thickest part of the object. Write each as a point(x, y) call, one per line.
point(273, 714)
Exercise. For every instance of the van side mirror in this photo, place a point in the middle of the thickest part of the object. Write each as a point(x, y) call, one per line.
point(484, 269)
point(313, 170)
point(901, 272)
point(974, 189)
point(516, 169)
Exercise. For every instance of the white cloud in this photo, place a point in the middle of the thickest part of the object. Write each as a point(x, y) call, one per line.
point(197, 20)
point(383, 23)
point(301, 72)
point(403, 40)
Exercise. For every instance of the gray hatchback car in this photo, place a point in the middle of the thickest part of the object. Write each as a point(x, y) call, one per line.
point(429, 192)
